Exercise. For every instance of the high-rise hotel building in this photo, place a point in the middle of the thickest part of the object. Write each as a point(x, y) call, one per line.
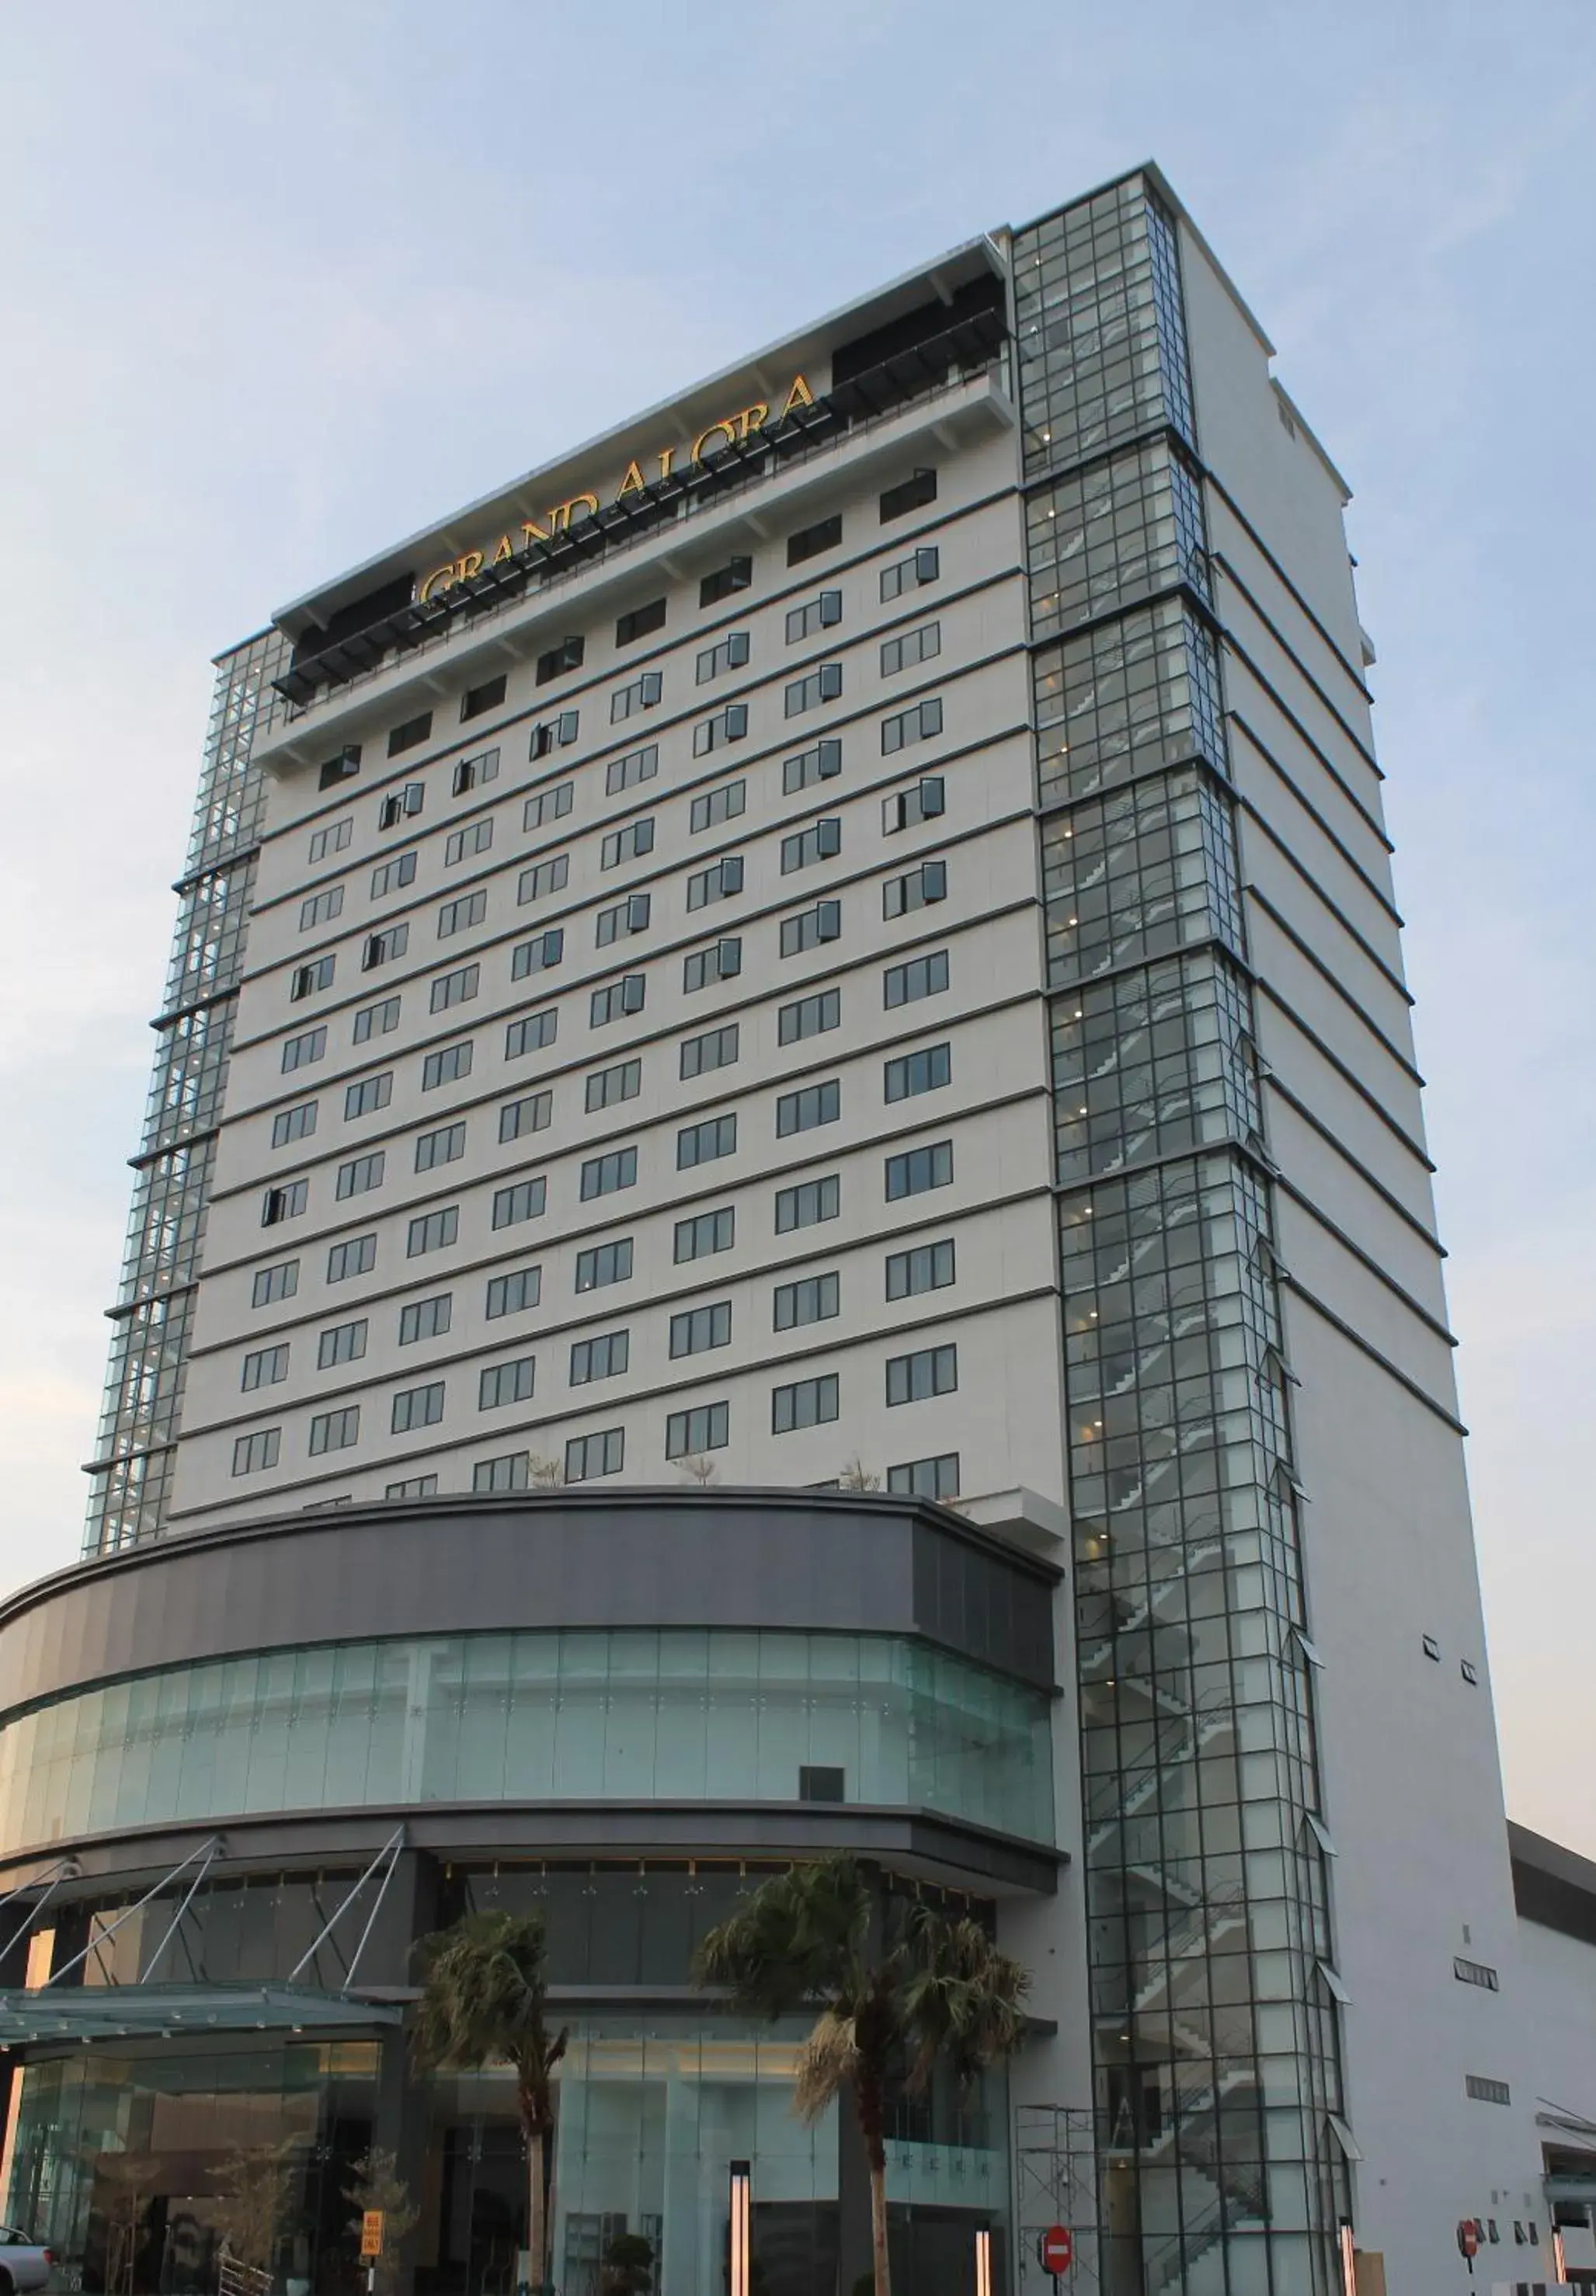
point(785, 1205)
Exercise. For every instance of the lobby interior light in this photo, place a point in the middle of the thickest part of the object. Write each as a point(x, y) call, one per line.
point(1560, 2264)
point(738, 2257)
point(983, 2262)
point(1349, 2266)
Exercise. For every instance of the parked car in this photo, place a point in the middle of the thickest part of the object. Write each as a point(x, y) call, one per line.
point(24, 2263)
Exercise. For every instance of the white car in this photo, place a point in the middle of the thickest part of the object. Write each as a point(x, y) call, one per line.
point(23, 2263)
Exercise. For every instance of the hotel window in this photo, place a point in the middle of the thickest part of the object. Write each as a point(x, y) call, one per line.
point(514, 1293)
point(813, 1300)
point(471, 773)
point(910, 573)
point(587, 1455)
point(913, 493)
point(805, 1111)
point(810, 1016)
point(716, 806)
point(702, 1143)
point(447, 1145)
point(544, 878)
point(264, 1367)
point(531, 1033)
point(927, 1479)
point(552, 804)
point(809, 541)
point(705, 1233)
point(916, 891)
point(822, 763)
point(911, 725)
point(822, 613)
point(356, 1256)
point(905, 808)
point(425, 1320)
point(807, 1205)
point(465, 844)
point(621, 997)
point(459, 916)
point(642, 694)
point(923, 976)
point(511, 1473)
point(822, 840)
point(284, 1203)
point(608, 1088)
point(715, 1049)
point(448, 1065)
point(340, 767)
point(604, 1357)
point(382, 948)
point(638, 766)
point(1470, 1973)
point(736, 574)
point(925, 1070)
point(342, 1343)
point(927, 1268)
point(807, 1403)
point(309, 978)
point(628, 844)
point(602, 1264)
point(730, 652)
point(417, 1406)
point(698, 1329)
point(822, 683)
point(811, 927)
point(541, 953)
point(488, 695)
point(321, 907)
point(518, 1117)
point(718, 882)
point(377, 1021)
point(642, 622)
point(452, 988)
point(401, 805)
point(432, 1232)
point(916, 1378)
point(332, 838)
point(566, 655)
point(910, 648)
point(498, 1384)
point(335, 1431)
point(411, 734)
point(271, 1284)
point(293, 1123)
point(603, 1175)
point(1485, 2091)
point(390, 876)
point(524, 1199)
point(623, 920)
point(721, 961)
point(554, 733)
point(920, 1169)
point(416, 1487)
point(707, 1427)
point(252, 1453)
point(728, 724)
point(361, 1175)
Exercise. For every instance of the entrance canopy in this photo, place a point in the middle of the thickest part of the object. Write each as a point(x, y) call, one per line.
point(58, 2016)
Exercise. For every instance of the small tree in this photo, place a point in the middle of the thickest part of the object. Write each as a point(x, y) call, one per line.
point(484, 1998)
point(857, 1477)
point(375, 2183)
point(547, 1473)
point(941, 1991)
point(254, 2187)
point(698, 1467)
point(628, 2265)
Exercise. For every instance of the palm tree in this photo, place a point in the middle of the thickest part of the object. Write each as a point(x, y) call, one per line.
point(486, 1997)
point(942, 1991)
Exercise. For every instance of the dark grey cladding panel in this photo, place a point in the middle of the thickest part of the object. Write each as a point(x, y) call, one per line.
point(638, 1558)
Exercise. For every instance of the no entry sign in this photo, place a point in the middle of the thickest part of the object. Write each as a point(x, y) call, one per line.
point(1057, 2249)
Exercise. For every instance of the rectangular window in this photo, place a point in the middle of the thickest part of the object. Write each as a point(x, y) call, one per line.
point(300, 1052)
point(1467, 1972)
point(382, 948)
point(916, 1378)
point(923, 976)
point(815, 1104)
point(465, 844)
point(813, 1300)
point(459, 916)
point(642, 694)
point(721, 961)
point(716, 806)
point(342, 1343)
point(425, 1320)
point(370, 1093)
point(477, 699)
point(411, 734)
point(605, 1358)
point(911, 725)
point(811, 927)
point(913, 493)
point(736, 574)
point(705, 1233)
point(910, 573)
point(606, 1087)
point(728, 724)
point(624, 919)
point(820, 613)
point(532, 1032)
point(271, 1284)
point(447, 1065)
point(332, 838)
point(910, 648)
point(376, 1021)
point(415, 1486)
point(452, 988)
point(718, 882)
point(498, 1384)
point(252, 1453)
point(702, 1143)
point(524, 1199)
point(925, 1070)
point(1487, 2092)
point(340, 767)
point(927, 1268)
point(810, 1016)
point(321, 907)
point(619, 998)
point(697, 1329)
point(716, 1049)
point(401, 805)
point(512, 1472)
point(917, 891)
point(822, 763)
point(821, 841)
point(566, 655)
point(284, 1203)
point(307, 979)
point(604, 1263)
point(601, 1175)
point(807, 1205)
point(432, 1231)
point(688, 1434)
point(544, 878)
point(447, 1145)
point(293, 1123)
point(471, 773)
point(552, 804)
point(809, 541)
point(335, 1431)
point(514, 1294)
point(626, 773)
point(264, 1367)
point(541, 953)
point(822, 683)
point(927, 1479)
point(356, 1256)
point(587, 1455)
point(417, 1406)
point(730, 652)
point(518, 1117)
point(642, 622)
point(554, 733)
point(923, 800)
point(628, 844)
point(807, 1403)
point(920, 1169)
point(361, 1175)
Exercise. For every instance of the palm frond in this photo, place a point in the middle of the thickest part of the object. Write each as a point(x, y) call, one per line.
point(963, 2001)
point(829, 2059)
point(799, 1937)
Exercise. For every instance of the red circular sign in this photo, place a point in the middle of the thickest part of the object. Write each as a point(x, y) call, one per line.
point(1056, 2250)
point(1469, 2236)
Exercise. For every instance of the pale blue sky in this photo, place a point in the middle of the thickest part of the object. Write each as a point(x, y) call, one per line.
point(281, 284)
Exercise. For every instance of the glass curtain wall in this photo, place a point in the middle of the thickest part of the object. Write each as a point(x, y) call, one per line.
point(1216, 2046)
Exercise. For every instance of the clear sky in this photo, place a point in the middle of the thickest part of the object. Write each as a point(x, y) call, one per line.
point(279, 283)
